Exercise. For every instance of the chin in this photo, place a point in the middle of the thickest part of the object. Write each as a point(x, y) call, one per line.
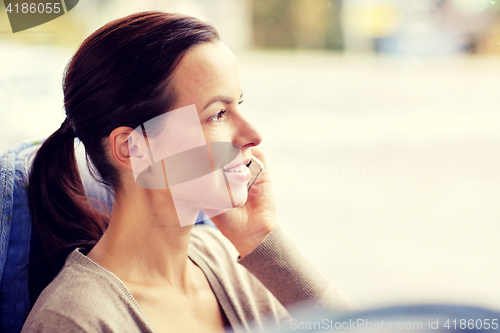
point(239, 193)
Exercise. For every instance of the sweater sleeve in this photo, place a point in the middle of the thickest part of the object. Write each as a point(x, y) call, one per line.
point(291, 278)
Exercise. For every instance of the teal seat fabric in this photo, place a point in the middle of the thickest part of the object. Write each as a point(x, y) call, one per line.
point(15, 228)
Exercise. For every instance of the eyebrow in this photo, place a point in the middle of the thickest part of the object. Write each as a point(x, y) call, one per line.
point(223, 99)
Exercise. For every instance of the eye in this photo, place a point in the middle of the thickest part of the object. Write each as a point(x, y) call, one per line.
point(218, 116)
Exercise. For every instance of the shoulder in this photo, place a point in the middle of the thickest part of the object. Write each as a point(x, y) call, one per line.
point(47, 321)
point(81, 297)
point(209, 241)
point(80, 284)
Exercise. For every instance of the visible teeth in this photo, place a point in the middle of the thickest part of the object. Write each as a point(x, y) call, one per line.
point(240, 168)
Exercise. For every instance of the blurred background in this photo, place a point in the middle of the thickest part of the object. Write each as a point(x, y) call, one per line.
point(381, 124)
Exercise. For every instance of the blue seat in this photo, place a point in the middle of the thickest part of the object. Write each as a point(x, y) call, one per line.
point(15, 236)
point(15, 228)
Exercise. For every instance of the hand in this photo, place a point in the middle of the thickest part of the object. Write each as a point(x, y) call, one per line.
point(246, 225)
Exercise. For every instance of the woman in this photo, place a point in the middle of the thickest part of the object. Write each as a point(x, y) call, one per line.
point(139, 269)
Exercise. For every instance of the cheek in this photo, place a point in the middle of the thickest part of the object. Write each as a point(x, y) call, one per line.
point(222, 132)
point(214, 193)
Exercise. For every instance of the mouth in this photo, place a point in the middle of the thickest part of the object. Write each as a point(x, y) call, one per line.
point(239, 171)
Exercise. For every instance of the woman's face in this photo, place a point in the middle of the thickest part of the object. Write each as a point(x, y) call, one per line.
point(207, 84)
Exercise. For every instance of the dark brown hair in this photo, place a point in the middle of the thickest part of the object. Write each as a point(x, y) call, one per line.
point(119, 76)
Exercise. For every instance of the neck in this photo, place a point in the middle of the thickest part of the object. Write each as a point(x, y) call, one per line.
point(145, 243)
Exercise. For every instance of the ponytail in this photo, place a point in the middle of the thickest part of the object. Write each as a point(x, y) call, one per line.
point(61, 215)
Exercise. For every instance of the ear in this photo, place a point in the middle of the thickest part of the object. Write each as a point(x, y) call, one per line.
point(129, 149)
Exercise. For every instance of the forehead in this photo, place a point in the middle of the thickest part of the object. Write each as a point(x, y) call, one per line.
point(206, 70)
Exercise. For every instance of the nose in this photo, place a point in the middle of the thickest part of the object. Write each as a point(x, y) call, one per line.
point(247, 135)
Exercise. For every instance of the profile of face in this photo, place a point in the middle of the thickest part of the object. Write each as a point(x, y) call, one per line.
point(200, 150)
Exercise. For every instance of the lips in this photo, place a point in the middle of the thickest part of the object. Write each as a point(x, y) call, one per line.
point(239, 167)
point(240, 173)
